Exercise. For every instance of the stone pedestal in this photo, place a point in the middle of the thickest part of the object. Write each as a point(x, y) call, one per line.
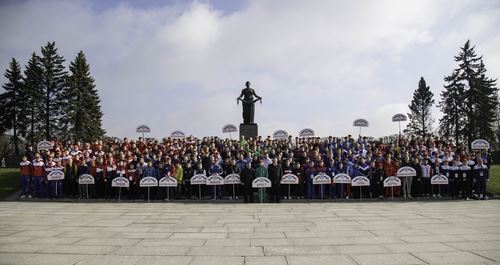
point(249, 130)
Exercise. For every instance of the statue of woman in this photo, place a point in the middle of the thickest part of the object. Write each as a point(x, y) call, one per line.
point(248, 101)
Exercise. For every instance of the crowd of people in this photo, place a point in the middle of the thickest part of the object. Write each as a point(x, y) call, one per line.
point(467, 170)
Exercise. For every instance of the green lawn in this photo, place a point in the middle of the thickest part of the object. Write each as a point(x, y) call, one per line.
point(9, 181)
point(494, 183)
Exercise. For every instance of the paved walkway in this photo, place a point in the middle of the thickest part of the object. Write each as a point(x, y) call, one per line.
point(464, 232)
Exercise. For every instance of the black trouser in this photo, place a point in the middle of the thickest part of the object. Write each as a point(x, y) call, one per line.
point(453, 186)
point(99, 186)
point(469, 184)
point(379, 188)
point(461, 186)
point(275, 193)
point(187, 189)
point(69, 187)
point(108, 192)
point(247, 192)
point(426, 186)
point(418, 187)
point(133, 192)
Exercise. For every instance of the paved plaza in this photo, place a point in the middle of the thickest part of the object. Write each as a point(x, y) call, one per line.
point(447, 232)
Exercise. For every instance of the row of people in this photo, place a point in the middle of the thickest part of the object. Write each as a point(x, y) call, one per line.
point(467, 178)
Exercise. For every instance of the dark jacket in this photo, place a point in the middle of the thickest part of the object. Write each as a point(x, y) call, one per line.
point(275, 173)
point(247, 176)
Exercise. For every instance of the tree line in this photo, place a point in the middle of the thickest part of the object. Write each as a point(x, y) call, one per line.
point(469, 102)
point(45, 102)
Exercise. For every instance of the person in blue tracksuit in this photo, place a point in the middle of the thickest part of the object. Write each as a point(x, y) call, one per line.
point(481, 174)
point(331, 170)
point(464, 180)
point(454, 178)
point(149, 171)
point(363, 170)
point(215, 168)
point(310, 172)
point(445, 170)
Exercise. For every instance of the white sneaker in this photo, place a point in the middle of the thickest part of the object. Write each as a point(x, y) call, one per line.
point(29, 196)
point(347, 197)
point(237, 198)
point(481, 196)
point(433, 195)
point(22, 196)
point(439, 195)
point(486, 197)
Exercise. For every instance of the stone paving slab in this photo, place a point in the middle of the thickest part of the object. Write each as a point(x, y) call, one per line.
point(417, 232)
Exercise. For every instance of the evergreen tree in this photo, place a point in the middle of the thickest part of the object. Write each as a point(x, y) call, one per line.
point(420, 116)
point(11, 100)
point(53, 83)
point(484, 112)
point(33, 129)
point(453, 122)
point(470, 99)
point(83, 115)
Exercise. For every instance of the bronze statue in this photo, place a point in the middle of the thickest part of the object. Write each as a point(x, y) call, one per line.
point(248, 101)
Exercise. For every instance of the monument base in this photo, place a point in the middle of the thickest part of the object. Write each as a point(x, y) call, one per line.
point(249, 130)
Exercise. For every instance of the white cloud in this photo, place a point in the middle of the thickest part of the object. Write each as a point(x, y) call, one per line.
point(318, 64)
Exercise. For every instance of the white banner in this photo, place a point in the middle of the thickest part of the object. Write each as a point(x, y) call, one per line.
point(178, 135)
point(280, 135)
point(143, 129)
point(199, 179)
point(342, 178)
point(229, 128)
point(120, 182)
point(289, 179)
point(480, 144)
point(232, 179)
point(360, 123)
point(55, 175)
point(307, 132)
point(392, 182)
point(86, 179)
point(44, 146)
point(167, 182)
point(322, 179)
point(148, 182)
point(261, 182)
point(360, 181)
point(439, 180)
point(406, 172)
point(215, 179)
point(399, 117)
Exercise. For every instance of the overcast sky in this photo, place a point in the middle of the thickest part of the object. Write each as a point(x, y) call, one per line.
point(319, 64)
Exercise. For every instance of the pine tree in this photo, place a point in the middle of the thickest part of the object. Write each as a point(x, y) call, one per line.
point(34, 100)
point(484, 112)
point(11, 100)
point(53, 83)
point(420, 116)
point(453, 122)
point(470, 99)
point(83, 115)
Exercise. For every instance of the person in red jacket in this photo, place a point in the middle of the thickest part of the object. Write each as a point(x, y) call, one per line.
point(25, 168)
point(38, 174)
